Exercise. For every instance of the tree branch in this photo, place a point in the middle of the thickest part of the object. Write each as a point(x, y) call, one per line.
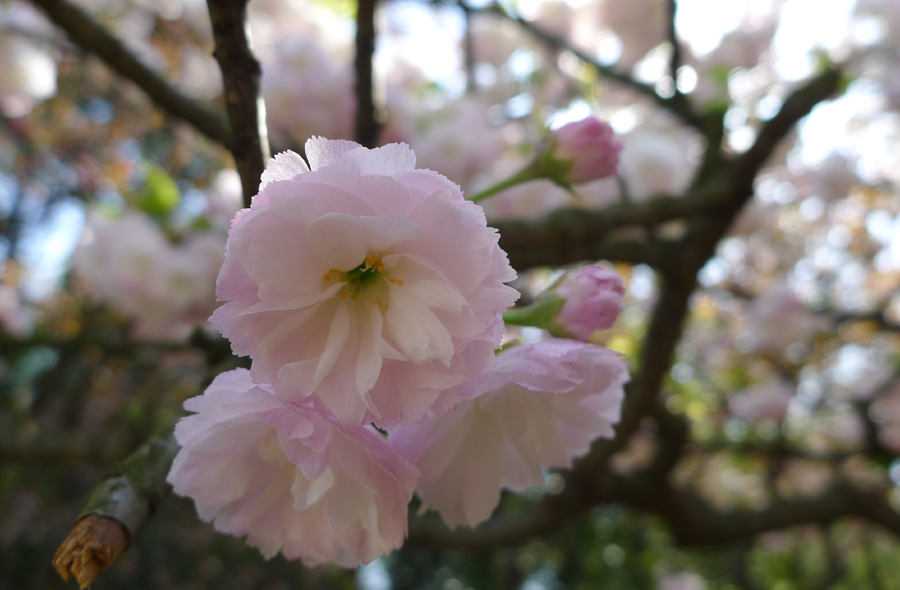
point(468, 49)
point(93, 38)
point(695, 522)
point(642, 395)
point(570, 235)
point(248, 139)
point(366, 124)
point(692, 519)
point(671, 33)
point(117, 509)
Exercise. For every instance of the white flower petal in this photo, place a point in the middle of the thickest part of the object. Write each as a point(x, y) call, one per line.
point(322, 152)
point(283, 166)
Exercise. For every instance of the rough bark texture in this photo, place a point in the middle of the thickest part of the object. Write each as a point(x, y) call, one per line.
point(241, 73)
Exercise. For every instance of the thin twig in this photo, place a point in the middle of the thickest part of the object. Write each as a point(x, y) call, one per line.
point(880, 318)
point(680, 108)
point(468, 50)
point(675, 56)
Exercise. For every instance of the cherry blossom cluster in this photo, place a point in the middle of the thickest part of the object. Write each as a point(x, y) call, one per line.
point(164, 289)
point(369, 296)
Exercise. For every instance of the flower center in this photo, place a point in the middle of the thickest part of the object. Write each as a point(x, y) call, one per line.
point(364, 275)
point(369, 278)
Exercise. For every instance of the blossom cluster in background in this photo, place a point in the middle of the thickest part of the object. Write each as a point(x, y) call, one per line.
point(369, 295)
point(165, 289)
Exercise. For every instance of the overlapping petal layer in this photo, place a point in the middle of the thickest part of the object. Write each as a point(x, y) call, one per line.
point(539, 408)
point(363, 283)
point(288, 479)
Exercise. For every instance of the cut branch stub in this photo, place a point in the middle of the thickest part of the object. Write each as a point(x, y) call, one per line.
point(92, 546)
point(116, 510)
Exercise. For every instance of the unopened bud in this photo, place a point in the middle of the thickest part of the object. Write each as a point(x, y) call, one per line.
point(593, 301)
point(580, 152)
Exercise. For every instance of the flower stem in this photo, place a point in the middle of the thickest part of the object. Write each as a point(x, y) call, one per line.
point(540, 314)
point(518, 317)
point(525, 175)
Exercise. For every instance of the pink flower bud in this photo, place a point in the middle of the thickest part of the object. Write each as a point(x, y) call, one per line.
point(591, 148)
point(593, 301)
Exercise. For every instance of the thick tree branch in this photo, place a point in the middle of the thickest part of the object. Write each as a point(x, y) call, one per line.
point(642, 395)
point(695, 522)
point(117, 509)
point(367, 127)
point(248, 139)
point(93, 38)
point(692, 519)
point(570, 235)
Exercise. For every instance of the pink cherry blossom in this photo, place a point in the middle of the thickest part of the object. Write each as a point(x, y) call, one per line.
point(553, 16)
point(831, 179)
point(494, 39)
point(16, 317)
point(655, 161)
point(307, 91)
point(365, 283)
point(639, 26)
point(128, 263)
point(287, 478)
point(593, 301)
point(455, 138)
point(591, 148)
point(539, 408)
point(778, 319)
point(763, 401)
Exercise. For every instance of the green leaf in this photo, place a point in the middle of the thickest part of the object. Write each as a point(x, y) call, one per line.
point(160, 194)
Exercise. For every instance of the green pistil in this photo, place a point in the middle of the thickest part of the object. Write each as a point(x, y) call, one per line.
point(369, 278)
point(363, 278)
